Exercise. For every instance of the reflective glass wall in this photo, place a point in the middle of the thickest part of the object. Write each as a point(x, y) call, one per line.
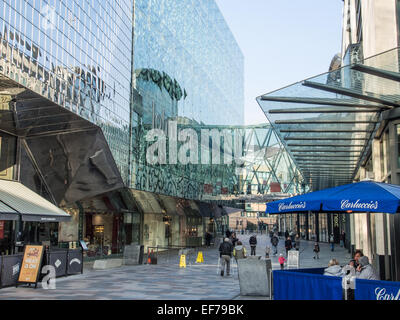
point(76, 53)
point(187, 62)
point(187, 68)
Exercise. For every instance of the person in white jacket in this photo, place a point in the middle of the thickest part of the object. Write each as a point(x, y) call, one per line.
point(334, 269)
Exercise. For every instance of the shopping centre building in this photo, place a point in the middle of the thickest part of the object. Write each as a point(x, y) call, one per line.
point(90, 91)
point(343, 126)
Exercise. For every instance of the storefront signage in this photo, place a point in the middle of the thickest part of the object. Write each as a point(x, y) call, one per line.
point(283, 206)
point(31, 264)
point(383, 294)
point(346, 204)
point(377, 290)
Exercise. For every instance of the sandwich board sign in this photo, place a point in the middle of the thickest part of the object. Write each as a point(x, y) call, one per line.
point(293, 259)
point(31, 264)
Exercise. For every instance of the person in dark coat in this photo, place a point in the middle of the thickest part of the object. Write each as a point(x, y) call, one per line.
point(274, 242)
point(225, 253)
point(228, 233)
point(234, 239)
point(208, 238)
point(286, 234)
point(253, 244)
point(288, 244)
point(342, 238)
point(316, 250)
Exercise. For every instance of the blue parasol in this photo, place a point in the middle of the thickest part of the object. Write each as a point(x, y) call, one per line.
point(365, 196)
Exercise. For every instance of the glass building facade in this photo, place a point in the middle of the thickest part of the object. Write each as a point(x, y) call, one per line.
point(77, 54)
point(191, 55)
point(188, 68)
point(86, 81)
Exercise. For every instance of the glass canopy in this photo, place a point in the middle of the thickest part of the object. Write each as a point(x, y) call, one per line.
point(327, 122)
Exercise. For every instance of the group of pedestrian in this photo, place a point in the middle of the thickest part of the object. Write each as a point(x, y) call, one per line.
point(232, 246)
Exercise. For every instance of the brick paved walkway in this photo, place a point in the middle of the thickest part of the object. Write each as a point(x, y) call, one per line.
point(166, 281)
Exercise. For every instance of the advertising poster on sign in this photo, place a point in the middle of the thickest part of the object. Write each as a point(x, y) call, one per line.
point(31, 263)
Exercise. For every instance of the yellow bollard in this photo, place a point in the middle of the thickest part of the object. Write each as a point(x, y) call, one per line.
point(182, 262)
point(200, 257)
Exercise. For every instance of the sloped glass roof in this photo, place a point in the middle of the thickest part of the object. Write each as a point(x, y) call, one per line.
point(327, 122)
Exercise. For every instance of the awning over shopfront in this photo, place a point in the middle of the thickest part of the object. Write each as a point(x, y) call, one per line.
point(365, 196)
point(327, 122)
point(170, 205)
point(205, 209)
point(217, 211)
point(188, 207)
point(16, 199)
point(147, 201)
point(230, 210)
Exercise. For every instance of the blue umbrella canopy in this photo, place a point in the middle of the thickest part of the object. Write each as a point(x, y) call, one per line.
point(365, 196)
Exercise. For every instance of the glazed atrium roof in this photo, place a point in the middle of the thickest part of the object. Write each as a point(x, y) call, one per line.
point(327, 122)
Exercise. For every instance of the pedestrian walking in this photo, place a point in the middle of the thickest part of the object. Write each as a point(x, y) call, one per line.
point(292, 235)
point(342, 238)
point(316, 250)
point(228, 233)
point(288, 245)
point(282, 261)
point(297, 242)
point(332, 241)
point(225, 253)
point(253, 244)
point(267, 252)
point(286, 234)
point(234, 239)
point(239, 252)
point(274, 242)
point(208, 238)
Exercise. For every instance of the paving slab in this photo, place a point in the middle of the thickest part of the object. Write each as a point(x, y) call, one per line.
point(165, 280)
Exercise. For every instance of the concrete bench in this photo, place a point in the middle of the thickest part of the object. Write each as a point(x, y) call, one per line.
point(107, 264)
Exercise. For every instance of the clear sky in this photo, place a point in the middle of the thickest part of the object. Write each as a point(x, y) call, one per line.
point(283, 41)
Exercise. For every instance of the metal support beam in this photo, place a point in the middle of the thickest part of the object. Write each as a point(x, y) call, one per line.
point(324, 156)
point(323, 110)
point(395, 76)
point(327, 169)
point(325, 138)
point(350, 93)
point(325, 150)
point(321, 101)
point(323, 131)
point(325, 145)
point(320, 121)
point(337, 162)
